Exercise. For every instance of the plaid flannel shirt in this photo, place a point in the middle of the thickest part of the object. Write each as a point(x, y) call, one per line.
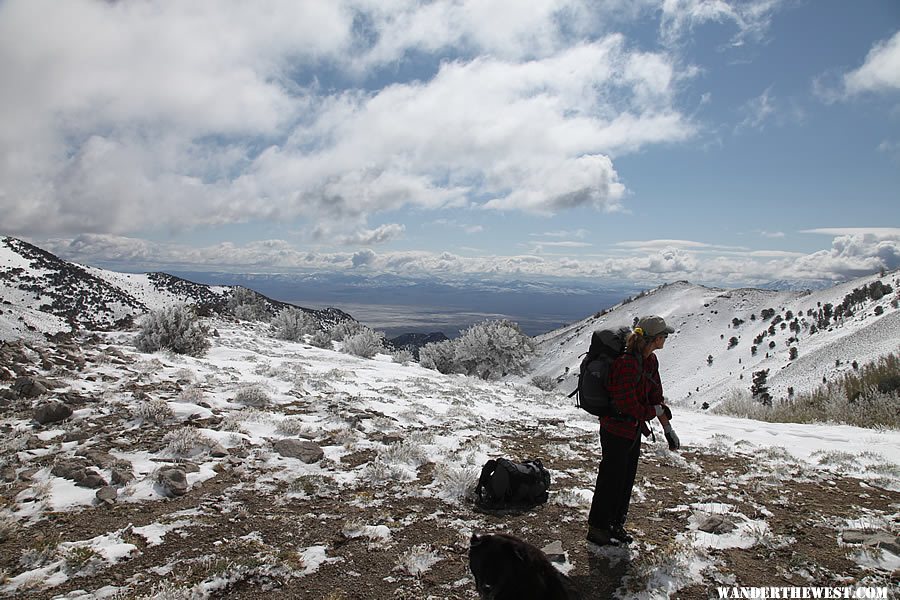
point(633, 395)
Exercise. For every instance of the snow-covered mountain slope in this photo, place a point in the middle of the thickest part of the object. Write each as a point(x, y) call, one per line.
point(698, 366)
point(43, 294)
point(380, 507)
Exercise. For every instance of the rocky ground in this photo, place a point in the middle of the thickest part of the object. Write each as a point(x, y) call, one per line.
point(722, 515)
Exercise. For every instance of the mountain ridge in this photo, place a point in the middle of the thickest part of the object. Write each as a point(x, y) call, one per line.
point(701, 364)
point(41, 293)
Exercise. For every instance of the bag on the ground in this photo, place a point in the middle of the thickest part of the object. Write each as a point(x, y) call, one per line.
point(592, 392)
point(507, 484)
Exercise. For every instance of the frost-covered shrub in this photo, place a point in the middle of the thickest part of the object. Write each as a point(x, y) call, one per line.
point(292, 324)
point(176, 328)
point(186, 441)
point(544, 382)
point(439, 356)
point(321, 339)
point(293, 426)
point(155, 411)
point(417, 560)
point(404, 453)
point(455, 484)
point(365, 343)
point(340, 331)
point(492, 349)
point(379, 472)
point(402, 357)
point(192, 394)
point(252, 395)
point(235, 421)
point(247, 305)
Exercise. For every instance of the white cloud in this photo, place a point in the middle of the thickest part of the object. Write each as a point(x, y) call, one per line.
point(129, 117)
point(880, 71)
point(379, 235)
point(757, 111)
point(772, 234)
point(849, 256)
point(751, 18)
point(881, 233)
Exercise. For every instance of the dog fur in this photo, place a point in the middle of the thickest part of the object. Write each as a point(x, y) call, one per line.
point(508, 568)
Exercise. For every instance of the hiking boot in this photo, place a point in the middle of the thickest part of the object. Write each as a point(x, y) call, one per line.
point(601, 536)
point(618, 532)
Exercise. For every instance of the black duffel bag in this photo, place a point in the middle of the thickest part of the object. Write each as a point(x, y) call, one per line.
point(507, 484)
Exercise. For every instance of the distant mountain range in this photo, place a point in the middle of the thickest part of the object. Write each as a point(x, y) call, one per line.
point(723, 335)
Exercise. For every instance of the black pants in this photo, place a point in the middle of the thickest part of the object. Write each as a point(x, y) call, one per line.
point(615, 478)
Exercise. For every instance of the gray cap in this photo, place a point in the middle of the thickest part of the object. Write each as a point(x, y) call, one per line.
point(653, 326)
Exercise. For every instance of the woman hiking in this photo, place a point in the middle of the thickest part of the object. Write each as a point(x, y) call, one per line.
point(636, 394)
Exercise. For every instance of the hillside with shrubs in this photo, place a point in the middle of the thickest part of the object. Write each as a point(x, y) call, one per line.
point(247, 448)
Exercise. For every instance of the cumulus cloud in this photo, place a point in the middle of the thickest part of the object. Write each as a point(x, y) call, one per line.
point(880, 71)
point(122, 117)
point(379, 235)
point(849, 256)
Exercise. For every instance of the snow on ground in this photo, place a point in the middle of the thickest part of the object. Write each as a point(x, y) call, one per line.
point(403, 414)
point(703, 321)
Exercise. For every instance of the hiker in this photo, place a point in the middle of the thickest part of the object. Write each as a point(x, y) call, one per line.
point(636, 394)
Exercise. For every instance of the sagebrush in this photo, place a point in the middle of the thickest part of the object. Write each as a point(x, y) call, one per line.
point(176, 328)
point(292, 324)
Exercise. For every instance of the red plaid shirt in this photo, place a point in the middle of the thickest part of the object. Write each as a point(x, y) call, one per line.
point(632, 395)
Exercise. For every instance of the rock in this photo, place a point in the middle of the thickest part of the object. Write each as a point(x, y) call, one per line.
point(8, 394)
point(8, 474)
point(173, 481)
point(305, 450)
point(29, 387)
point(98, 457)
point(122, 475)
point(878, 539)
point(717, 524)
point(52, 412)
point(92, 480)
point(218, 451)
point(107, 494)
point(554, 552)
point(68, 470)
point(76, 435)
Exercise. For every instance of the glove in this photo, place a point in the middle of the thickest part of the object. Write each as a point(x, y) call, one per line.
point(667, 411)
point(662, 409)
point(672, 438)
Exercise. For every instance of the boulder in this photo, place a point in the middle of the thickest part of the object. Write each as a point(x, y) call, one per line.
point(717, 524)
point(52, 412)
point(107, 494)
point(92, 480)
point(173, 481)
point(69, 469)
point(122, 475)
point(218, 451)
point(306, 451)
point(98, 457)
point(29, 387)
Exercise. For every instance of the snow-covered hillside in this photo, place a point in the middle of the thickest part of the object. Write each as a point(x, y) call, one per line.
point(697, 364)
point(43, 294)
point(275, 468)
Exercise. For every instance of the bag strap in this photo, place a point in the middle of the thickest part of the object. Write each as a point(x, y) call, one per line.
point(488, 468)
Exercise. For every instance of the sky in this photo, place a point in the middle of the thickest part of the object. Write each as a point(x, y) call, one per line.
point(648, 140)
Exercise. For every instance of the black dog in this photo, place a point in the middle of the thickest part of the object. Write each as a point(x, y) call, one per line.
point(507, 568)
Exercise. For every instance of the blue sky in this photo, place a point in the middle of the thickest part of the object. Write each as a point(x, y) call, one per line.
point(720, 142)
